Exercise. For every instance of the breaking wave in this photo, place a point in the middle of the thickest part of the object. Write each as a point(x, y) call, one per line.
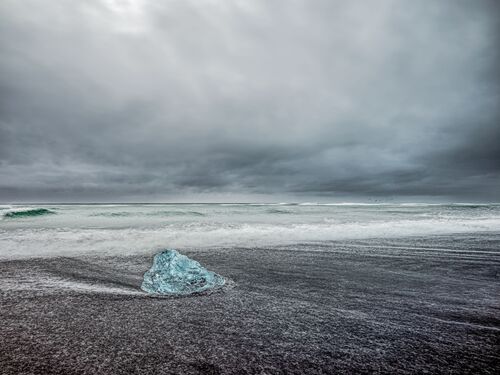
point(27, 212)
point(27, 242)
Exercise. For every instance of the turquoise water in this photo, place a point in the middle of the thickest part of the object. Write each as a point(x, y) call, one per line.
point(28, 212)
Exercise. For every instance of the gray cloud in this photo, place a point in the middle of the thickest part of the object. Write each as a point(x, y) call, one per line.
point(142, 100)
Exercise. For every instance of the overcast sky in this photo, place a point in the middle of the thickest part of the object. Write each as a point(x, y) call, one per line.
point(179, 100)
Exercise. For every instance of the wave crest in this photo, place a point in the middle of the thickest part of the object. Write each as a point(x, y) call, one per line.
point(27, 212)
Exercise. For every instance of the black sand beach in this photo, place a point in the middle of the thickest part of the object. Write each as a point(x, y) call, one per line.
point(409, 305)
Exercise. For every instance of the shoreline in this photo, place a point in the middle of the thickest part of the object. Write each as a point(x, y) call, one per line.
point(390, 305)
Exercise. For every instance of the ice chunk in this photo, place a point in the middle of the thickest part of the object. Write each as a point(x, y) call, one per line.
point(175, 274)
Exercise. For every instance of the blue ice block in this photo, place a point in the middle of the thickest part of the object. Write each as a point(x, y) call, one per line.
point(175, 274)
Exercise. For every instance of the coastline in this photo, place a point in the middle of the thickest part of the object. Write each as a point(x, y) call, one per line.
point(394, 306)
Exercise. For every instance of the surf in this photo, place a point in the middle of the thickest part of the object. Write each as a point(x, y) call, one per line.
point(27, 212)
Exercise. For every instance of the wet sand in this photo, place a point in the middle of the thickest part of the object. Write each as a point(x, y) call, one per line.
point(409, 305)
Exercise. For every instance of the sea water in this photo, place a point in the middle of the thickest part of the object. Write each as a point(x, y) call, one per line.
point(119, 229)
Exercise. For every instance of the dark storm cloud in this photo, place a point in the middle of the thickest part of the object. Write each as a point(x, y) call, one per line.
point(116, 100)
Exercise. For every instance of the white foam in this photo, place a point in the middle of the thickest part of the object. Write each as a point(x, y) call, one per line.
point(43, 242)
point(54, 284)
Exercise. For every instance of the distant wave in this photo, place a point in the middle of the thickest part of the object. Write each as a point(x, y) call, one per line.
point(113, 214)
point(278, 211)
point(176, 213)
point(27, 212)
point(154, 213)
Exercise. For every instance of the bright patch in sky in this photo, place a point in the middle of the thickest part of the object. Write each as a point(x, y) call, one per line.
point(128, 16)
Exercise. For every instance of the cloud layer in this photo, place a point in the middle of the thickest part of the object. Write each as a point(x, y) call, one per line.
point(182, 99)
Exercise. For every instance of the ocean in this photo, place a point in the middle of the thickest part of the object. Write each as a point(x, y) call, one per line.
point(311, 289)
point(120, 229)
